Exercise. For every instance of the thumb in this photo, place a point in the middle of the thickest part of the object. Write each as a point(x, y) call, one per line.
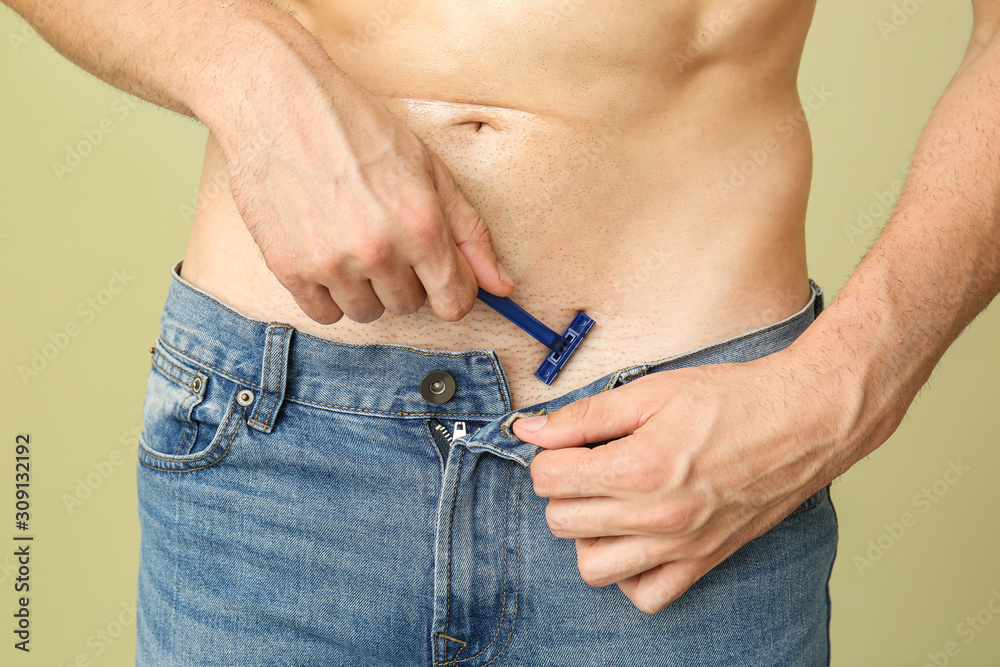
point(606, 416)
point(471, 234)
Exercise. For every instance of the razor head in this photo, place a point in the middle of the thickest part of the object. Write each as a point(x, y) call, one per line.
point(572, 338)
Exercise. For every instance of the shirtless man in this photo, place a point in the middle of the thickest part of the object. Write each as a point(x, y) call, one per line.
point(385, 159)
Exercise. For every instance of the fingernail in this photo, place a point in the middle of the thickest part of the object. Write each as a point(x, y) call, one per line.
point(504, 276)
point(533, 423)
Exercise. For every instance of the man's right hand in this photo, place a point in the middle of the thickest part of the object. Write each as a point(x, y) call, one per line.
point(351, 211)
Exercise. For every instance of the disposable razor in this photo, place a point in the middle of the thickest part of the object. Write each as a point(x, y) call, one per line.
point(561, 347)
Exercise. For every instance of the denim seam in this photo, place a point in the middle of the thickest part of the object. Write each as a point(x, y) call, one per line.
point(503, 606)
point(190, 429)
point(517, 581)
point(451, 524)
point(205, 455)
point(394, 413)
point(290, 397)
point(498, 450)
point(434, 447)
point(159, 356)
point(199, 362)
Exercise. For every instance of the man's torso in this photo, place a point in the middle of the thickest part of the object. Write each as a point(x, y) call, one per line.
point(648, 163)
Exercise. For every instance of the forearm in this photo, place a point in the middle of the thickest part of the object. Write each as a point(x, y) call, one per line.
point(935, 266)
point(195, 57)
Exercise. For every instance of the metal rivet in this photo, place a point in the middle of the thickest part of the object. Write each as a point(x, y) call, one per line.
point(245, 397)
point(196, 385)
point(437, 387)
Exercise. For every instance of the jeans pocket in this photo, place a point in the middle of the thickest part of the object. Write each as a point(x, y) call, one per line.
point(190, 416)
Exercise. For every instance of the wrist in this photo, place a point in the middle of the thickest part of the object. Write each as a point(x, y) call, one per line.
point(847, 366)
point(260, 69)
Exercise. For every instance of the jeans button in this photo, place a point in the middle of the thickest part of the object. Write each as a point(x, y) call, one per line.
point(437, 387)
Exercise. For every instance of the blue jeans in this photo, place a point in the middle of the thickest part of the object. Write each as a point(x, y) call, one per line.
point(301, 503)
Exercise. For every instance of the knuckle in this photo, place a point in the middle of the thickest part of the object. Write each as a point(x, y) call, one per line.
point(373, 251)
point(676, 518)
point(456, 307)
point(557, 520)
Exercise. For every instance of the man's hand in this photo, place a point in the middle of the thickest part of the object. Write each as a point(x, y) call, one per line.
point(355, 215)
point(705, 460)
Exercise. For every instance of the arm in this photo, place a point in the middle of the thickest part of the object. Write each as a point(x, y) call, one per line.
point(352, 213)
point(935, 266)
point(710, 458)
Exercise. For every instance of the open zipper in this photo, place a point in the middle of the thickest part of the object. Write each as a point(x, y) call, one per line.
point(451, 436)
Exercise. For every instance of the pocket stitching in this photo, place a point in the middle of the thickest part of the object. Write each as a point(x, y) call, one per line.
point(146, 451)
point(226, 423)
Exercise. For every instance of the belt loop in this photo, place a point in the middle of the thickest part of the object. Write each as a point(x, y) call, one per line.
point(818, 305)
point(272, 377)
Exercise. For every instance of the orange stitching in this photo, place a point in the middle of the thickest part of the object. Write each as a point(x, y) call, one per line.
point(221, 456)
point(290, 397)
point(503, 606)
point(159, 356)
point(434, 446)
point(267, 374)
point(201, 362)
point(518, 563)
point(397, 413)
point(451, 523)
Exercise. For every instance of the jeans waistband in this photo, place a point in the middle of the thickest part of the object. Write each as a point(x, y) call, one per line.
point(383, 379)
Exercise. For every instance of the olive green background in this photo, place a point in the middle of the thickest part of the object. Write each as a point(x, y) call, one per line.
point(123, 208)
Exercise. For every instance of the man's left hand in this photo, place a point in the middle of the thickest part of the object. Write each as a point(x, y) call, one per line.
point(700, 461)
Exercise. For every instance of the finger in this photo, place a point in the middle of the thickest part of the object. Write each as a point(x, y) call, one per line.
point(358, 300)
point(315, 301)
point(611, 559)
point(471, 234)
point(576, 473)
point(655, 589)
point(611, 414)
point(401, 292)
point(572, 518)
point(450, 284)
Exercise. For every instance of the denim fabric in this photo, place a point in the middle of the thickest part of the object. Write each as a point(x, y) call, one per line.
point(302, 504)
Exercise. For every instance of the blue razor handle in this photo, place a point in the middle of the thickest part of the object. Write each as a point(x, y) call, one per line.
point(562, 347)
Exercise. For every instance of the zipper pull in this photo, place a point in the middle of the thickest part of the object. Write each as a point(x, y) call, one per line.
point(459, 432)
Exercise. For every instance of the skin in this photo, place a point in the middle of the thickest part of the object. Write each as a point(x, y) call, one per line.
point(360, 170)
